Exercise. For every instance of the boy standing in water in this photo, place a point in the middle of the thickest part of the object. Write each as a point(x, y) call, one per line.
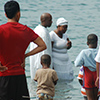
point(46, 78)
point(14, 40)
point(86, 59)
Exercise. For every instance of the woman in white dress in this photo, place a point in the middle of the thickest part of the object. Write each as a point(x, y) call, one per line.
point(60, 45)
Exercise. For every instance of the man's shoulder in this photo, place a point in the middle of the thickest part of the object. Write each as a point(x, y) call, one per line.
point(41, 31)
point(16, 24)
point(40, 28)
point(3, 25)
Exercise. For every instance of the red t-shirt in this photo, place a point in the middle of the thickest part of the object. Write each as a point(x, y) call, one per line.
point(14, 40)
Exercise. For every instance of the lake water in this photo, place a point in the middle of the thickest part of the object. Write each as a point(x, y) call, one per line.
point(83, 17)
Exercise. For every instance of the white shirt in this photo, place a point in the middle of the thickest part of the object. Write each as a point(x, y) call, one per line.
point(97, 58)
point(35, 59)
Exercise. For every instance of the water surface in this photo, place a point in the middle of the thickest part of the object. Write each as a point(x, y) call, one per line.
point(83, 18)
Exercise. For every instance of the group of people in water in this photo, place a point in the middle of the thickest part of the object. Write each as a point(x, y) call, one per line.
point(57, 43)
point(49, 60)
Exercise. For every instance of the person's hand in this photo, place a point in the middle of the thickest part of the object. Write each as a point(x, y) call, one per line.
point(23, 64)
point(3, 68)
point(97, 82)
point(69, 43)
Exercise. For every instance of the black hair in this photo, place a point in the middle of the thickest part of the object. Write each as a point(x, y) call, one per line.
point(46, 59)
point(11, 8)
point(92, 39)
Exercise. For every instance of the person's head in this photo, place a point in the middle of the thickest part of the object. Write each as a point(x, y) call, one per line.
point(46, 20)
point(46, 60)
point(62, 25)
point(12, 10)
point(92, 40)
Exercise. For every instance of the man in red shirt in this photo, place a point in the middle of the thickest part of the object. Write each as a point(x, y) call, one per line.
point(14, 40)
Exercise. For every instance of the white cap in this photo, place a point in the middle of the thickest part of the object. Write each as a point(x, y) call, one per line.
point(61, 21)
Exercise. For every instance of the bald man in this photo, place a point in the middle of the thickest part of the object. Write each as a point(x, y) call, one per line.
point(42, 31)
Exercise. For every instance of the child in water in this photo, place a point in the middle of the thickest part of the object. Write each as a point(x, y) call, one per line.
point(46, 78)
point(86, 59)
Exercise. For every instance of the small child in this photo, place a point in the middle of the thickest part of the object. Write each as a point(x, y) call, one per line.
point(80, 79)
point(46, 79)
point(86, 59)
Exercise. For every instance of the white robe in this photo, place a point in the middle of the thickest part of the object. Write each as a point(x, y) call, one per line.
point(61, 61)
point(35, 59)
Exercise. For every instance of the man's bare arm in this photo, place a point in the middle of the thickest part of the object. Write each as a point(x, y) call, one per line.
point(40, 47)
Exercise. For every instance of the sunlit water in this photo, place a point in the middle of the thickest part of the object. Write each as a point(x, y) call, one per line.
point(83, 18)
